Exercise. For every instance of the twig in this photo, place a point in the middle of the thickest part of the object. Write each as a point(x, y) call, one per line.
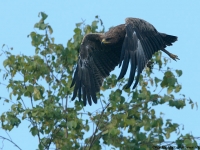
point(8, 135)
point(11, 142)
point(92, 139)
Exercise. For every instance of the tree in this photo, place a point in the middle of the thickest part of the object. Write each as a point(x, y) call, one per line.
point(126, 119)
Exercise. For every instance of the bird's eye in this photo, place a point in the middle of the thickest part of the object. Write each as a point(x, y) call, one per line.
point(107, 39)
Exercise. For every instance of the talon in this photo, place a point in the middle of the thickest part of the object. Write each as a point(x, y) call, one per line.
point(174, 57)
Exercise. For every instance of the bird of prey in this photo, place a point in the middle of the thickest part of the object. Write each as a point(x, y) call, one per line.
point(135, 42)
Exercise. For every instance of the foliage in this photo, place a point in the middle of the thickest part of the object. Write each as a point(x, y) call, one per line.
point(40, 92)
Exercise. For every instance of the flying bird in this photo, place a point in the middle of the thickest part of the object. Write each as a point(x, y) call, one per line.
point(135, 42)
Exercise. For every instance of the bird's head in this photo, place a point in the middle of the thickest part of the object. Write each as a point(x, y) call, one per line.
point(114, 36)
point(106, 41)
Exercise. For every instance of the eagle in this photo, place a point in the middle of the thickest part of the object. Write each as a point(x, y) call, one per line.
point(133, 42)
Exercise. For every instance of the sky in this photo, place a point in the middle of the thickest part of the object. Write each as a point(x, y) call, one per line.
point(180, 18)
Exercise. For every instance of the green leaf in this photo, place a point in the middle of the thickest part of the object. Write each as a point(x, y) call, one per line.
point(37, 25)
point(44, 16)
point(192, 105)
point(52, 39)
point(187, 142)
point(167, 135)
point(71, 124)
point(79, 24)
point(152, 112)
point(151, 81)
point(5, 63)
point(40, 146)
point(30, 88)
point(105, 132)
point(34, 131)
point(36, 94)
point(6, 100)
point(168, 74)
point(196, 105)
point(77, 31)
point(178, 88)
point(50, 29)
point(179, 72)
point(161, 139)
point(42, 26)
point(171, 81)
point(164, 82)
point(147, 127)
point(169, 89)
point(94, 26)
point(171, 103)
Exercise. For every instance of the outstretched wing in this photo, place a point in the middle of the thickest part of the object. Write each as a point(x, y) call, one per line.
point(94, 64)
point(141, 41)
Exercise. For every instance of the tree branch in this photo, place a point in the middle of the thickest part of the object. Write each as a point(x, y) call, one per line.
point(10, 141)
point(93, 137)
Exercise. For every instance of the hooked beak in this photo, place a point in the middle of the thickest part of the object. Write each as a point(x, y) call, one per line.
point(104, 42)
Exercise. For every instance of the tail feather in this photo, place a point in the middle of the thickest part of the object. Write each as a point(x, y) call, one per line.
point(168, 39)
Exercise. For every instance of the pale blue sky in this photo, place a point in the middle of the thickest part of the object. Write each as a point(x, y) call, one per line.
point(180, 18)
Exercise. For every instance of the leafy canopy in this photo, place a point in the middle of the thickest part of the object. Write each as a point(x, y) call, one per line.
point(40, 94)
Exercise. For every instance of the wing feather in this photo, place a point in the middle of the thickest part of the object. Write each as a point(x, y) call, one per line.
point(135, 42)
point(84, 96)
point(94, 64)
point(141, 41)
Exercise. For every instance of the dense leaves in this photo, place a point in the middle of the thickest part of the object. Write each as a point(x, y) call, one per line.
point(39, 92)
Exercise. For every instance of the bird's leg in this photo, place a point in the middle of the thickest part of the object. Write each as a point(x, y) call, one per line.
point(174, 57)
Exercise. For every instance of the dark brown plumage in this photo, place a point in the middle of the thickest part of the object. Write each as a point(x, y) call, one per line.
point(135, 42)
